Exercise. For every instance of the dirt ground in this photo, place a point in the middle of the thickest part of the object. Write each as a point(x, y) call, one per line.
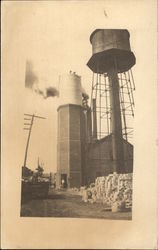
point(65, 204)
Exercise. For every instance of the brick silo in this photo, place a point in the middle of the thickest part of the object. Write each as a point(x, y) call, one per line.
point(71, 132)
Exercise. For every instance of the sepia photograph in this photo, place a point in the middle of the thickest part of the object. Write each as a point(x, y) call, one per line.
point(93, 172)
point(78, 122)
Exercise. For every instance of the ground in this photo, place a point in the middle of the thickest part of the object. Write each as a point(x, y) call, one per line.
point(66, 204)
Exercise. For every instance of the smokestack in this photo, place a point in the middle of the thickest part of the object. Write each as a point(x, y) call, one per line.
point(94, 120)
point(89, 125)
point(116, 124)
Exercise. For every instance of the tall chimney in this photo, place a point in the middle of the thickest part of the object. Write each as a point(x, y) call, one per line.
point(94, 120)
point(89, 125)
point(116, 124)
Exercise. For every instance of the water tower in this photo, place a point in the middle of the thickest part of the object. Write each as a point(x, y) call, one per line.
point(112, 89)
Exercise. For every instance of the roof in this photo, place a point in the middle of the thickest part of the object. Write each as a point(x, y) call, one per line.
point(108, 137)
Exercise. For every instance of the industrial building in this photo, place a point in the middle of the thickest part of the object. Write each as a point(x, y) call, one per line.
point(93, 141)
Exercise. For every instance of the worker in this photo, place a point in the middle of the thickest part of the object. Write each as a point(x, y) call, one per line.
point(63, 183)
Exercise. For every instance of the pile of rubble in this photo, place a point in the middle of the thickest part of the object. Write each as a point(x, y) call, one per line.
point(114, 190)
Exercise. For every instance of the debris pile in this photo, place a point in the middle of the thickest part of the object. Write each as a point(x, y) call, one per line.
point(114, 190)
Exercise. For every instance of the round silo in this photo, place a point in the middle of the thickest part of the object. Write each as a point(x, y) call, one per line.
point(71, 132)
point(70, 89)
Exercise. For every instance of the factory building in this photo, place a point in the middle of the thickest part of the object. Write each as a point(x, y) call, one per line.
point(100, 159)
point(82, 155)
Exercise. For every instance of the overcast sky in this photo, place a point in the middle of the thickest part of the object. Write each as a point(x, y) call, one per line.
point(55, 37)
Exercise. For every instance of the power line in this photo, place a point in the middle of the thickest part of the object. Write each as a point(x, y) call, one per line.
point(29, 134)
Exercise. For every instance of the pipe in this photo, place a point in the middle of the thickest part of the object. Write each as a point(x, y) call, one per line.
point(94, 120)
point(116, 124)
point(89, 125)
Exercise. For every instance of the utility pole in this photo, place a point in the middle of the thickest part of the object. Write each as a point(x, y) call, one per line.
point(30, 118)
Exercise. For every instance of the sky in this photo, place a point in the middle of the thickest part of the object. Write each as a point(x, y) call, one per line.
point(54, 35)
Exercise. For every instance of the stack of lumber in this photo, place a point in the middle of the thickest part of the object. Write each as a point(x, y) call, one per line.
point(114, 190)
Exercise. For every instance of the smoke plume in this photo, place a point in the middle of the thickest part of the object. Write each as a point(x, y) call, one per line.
point(31, 82)
point(51, 92)
point(30, 76)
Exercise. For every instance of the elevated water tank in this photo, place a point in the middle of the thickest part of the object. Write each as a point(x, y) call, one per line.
point(70, 89)
point(110, 46)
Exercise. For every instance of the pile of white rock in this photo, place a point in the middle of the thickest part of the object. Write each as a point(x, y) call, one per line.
point(114, 190)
